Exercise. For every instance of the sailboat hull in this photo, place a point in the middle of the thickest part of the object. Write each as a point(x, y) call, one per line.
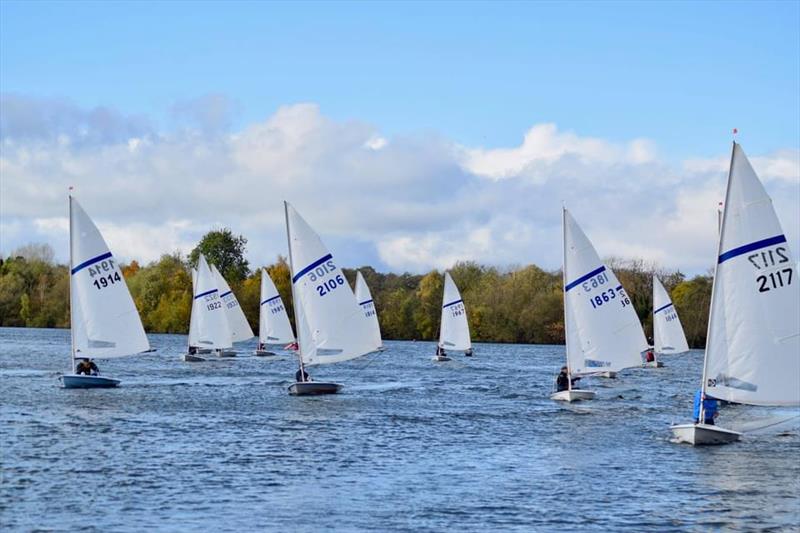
point(82, 381)
point(703, 434)
point(573, 395)
point(225, 353)
point(653, 364)
point(264, 353)
point(313, 388)
point(611, 375)
point(191, 358)
point(441, 358)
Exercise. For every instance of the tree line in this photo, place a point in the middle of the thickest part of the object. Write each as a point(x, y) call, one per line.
point(522, 304)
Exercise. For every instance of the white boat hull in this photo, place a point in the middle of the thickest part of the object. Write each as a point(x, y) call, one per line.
point(313, 388)
point(611, 375)
point(702, 434)
point(573, 395)
point(191, 358)
point(441, 358)
point(653, 364)
point(81, 381)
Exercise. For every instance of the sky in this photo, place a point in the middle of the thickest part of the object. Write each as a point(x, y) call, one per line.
point(410, 135)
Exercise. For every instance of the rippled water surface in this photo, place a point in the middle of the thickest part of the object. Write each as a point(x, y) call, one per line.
point(474, 444)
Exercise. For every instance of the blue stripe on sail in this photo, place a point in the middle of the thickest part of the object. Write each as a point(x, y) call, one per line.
point(268, 300)
point(212, 291)
point(452, 303)
point(224, 294)
point(92, 261)
point(364, 302)
point(753, 246)
point(662, 308)
point(584, 278)
point(311, 267)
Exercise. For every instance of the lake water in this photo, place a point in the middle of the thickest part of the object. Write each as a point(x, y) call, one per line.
point(409, 445)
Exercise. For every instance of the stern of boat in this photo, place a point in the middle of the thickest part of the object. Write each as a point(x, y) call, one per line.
point(81, 381)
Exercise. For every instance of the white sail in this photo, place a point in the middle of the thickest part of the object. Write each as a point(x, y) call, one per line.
point(213, 331)
point(331, 325)
point(237, 322)
point(193, 338)
point(603, 331)
point(454, 329)
point(364, 299)
point(753, 345)
point(105, 322)
point(273, 324)
point(668, 333)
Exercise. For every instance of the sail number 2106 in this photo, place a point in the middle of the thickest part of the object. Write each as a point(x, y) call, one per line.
point(326, 286)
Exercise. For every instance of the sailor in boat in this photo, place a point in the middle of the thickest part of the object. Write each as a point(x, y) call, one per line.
point(710, 409)
point(301, 376)
point(649, 356)
point(192, 350)
point(562, 381)
point(87, 367)
point(468, 352)
point(440, 352)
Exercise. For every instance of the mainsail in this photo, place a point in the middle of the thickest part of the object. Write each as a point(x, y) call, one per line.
point(454, 330)
point(667, 330)
point(603, 332)
point(753, 342)
point(364, 299)
point(273, 324)
point(104, 319)
point(330, 323)
point(213, 330)
point(237, 322)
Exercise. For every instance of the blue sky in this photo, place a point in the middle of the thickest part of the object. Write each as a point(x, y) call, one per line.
point(682, 74)
point(464, 124)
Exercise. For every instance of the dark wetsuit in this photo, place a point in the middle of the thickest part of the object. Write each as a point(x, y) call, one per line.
point(562, 382)
point(87, 367)
point(301, 375)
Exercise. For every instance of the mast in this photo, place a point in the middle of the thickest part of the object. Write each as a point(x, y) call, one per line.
point(714, 287)
point(294, 298)
point(563, 287)
point(71, 306)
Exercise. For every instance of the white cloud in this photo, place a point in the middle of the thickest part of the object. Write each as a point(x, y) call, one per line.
point(408, 202)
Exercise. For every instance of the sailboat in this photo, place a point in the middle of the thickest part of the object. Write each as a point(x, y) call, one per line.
point(668, 333)
point(454, 329)
point(330, 323)
point(274, 328)
point(104, 322)
point(209, 331)
point(753, 343)
point(364, 299)
point(602, 330)
point(237, 322)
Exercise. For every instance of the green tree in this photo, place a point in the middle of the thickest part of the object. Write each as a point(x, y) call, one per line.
point(224, 250)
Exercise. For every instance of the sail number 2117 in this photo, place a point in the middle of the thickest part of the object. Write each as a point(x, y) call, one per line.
point(768, 259)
